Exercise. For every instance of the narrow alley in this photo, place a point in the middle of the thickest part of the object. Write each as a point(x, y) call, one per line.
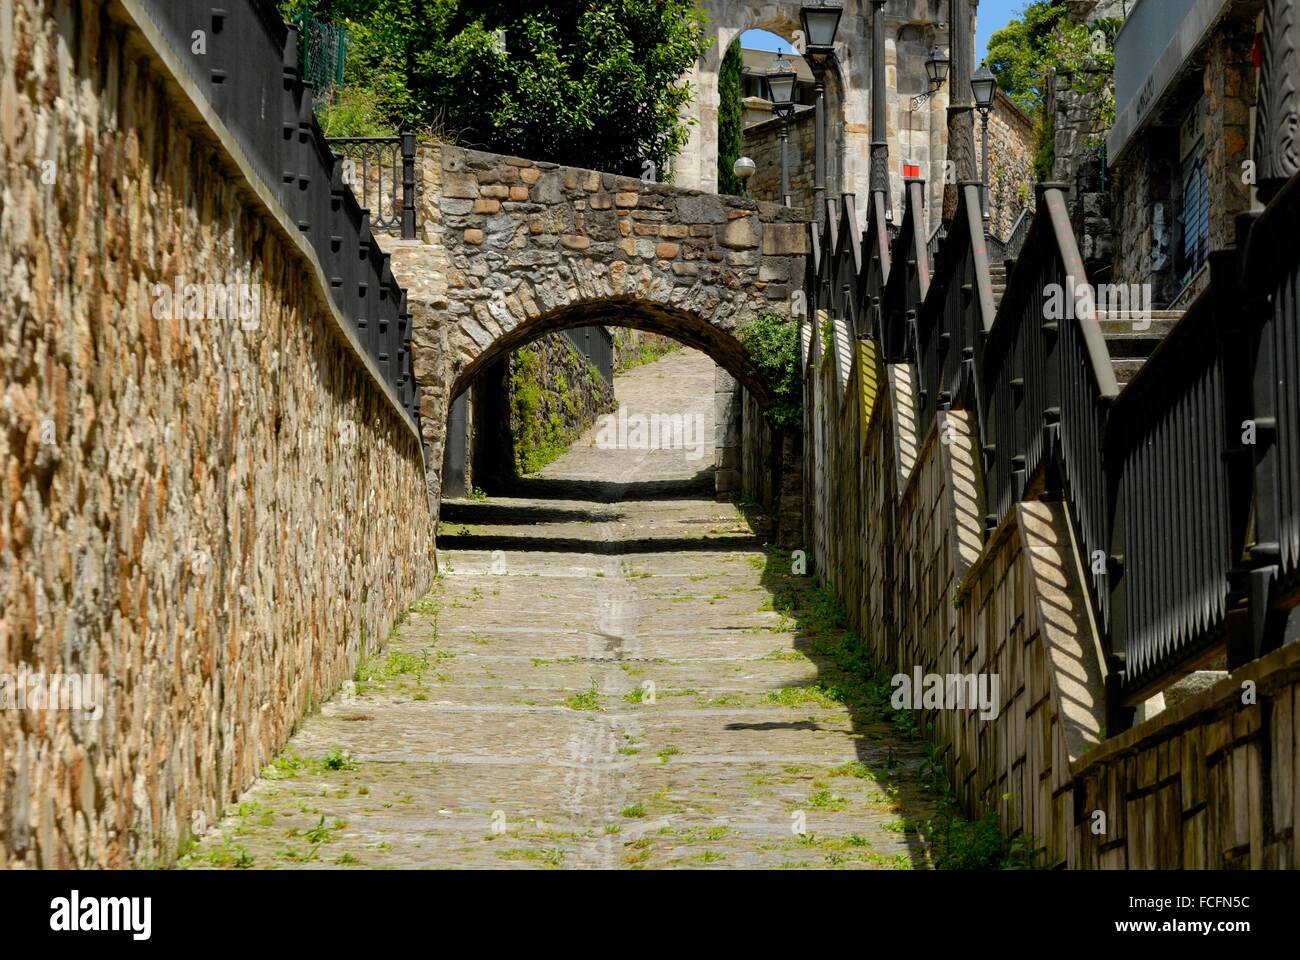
point(612, 672)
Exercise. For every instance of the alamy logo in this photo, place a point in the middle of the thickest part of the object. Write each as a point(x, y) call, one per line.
point(28, 690)
point(73, 914)
point(946, 691)
point(208, 301)
point(1082, 301)
point(656, 431)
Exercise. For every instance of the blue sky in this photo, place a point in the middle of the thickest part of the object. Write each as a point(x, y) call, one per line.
point(993, 16)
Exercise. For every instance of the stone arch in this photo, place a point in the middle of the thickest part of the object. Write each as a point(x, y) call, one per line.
point(696, 166)
point(720, 342)
point(513, 249)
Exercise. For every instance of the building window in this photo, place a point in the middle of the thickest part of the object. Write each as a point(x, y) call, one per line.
point(1194, 221)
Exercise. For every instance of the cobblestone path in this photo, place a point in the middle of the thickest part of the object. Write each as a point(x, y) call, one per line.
point(606, 676)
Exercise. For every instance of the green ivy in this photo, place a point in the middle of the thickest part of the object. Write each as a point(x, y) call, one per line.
point(772, 342)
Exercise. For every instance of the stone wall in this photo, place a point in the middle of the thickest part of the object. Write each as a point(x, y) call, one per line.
point(1077, 128)
point(553, 396)
point(895, 528)
point(218, 518)
point(511, 250)
point(1012, 145)
point(763, 146)
point(1148, 178)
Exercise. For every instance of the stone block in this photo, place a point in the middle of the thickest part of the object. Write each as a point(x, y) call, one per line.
point(742, 234)
point(460, 186)
point(785, 239)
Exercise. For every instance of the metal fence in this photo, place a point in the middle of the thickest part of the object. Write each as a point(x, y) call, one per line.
point(251, 75)
point(322, 53)
point(956, 314)
point(382, 171)
point(596, 345)
point(1181, 523)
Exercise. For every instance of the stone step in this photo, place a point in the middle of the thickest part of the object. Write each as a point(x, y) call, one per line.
point(1136, 346)
point(1132, 337)
point(1155, 324)
point(1126, 370)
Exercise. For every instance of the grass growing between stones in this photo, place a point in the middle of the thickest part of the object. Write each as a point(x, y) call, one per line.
point(851, 678)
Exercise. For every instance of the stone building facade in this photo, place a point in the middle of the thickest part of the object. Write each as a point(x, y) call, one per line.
point(1178, 155)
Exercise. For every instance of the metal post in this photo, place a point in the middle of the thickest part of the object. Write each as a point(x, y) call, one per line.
point(785, 153)
point(879, 135)
point(961, 125)
point(819, 167)
point(984, 176)
point(408, 186)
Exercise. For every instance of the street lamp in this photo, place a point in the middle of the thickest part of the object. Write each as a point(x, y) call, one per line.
point(936, 68)
point(820, 21)
point(782, 79)
point(984, 87)
point(744, 168)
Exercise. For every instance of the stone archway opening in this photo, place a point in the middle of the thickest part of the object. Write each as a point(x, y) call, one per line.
point(533, 393)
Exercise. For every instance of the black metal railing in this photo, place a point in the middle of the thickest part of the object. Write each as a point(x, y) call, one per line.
point(956, 314)
point(875, 266)
point(1015, 242)
point(1171, 548)
point(847, 279)
point(381, 170)
point(1272, 344)
point(250, 75)
point(596, 345)
point(937, 236)
point(908, 281)
point(1183, 491)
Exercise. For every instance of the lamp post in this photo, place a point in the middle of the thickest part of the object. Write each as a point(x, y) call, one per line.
point(879, 135)
point(961, 126)
point(781, 81)
point(820, 21)
point(744, 168)
point(984, 87)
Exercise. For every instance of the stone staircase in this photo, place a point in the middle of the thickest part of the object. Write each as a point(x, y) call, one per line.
point(1130, 339)
point(998, 275)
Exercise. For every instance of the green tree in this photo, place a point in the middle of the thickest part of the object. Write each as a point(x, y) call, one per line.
point(731, 120)
point(1044, 43)
point(594, 83)
point(1020, 54)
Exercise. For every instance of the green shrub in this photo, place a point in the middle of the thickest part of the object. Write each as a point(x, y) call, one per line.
point(772, 341)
